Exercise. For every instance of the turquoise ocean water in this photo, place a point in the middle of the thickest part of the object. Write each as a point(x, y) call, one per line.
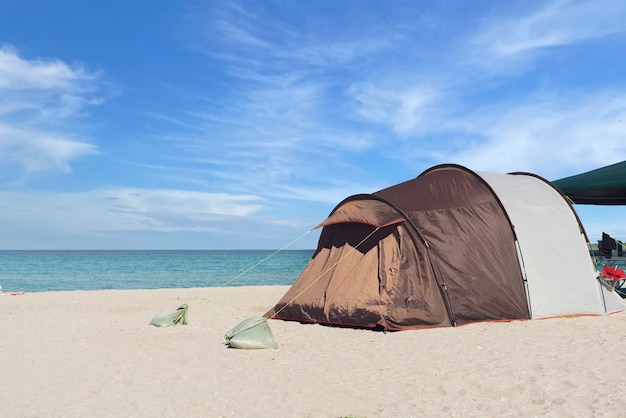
point(43, 271)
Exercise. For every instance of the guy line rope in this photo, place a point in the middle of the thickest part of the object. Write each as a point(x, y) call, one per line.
point(265, 259)
point(324, 273)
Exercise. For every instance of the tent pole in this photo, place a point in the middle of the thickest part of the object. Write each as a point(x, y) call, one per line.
point(524, 276)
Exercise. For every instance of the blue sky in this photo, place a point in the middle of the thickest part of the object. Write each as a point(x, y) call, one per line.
point(238, 125)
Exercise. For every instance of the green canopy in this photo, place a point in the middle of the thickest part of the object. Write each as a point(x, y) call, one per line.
point(604, 186)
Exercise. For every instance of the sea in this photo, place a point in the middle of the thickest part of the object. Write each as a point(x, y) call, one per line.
point(48, 270)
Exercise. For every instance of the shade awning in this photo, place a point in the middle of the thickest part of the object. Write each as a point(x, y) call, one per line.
point(603, 186)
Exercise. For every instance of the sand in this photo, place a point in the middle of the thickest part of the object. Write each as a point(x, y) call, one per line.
point(86, 354)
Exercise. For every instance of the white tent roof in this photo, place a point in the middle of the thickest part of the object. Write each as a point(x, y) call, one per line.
point(561, 276)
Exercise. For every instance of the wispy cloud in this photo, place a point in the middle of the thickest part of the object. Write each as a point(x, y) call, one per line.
point(405, 108)
point(116, 208)
point(289, 119)
point(437, 115)
point(289, 108)
point(306, 106)
point(547, 135)
point(37, 99)
point(17, 73)
point(556, 23)
point(552, 134)
point(117, 217)
point(31, 151)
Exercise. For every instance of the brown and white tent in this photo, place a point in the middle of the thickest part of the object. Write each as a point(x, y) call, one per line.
point(450, 247)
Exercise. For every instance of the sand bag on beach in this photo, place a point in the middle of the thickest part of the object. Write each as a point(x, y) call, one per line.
point(253, 332)
point(179, 317)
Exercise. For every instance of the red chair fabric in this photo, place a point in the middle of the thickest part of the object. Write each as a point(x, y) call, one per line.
point(613, 273)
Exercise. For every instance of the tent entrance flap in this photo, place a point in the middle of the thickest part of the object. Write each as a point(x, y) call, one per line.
point(383, 281)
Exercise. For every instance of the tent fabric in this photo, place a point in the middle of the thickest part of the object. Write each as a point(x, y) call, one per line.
point(613, 303)
point(378, 284)
point(603, 186)
point(559, 270)
point(370, 212)
point(453, 247)
point(470, 242)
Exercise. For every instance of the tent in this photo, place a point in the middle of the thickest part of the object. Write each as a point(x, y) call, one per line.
point(447, 248)
point(604, 186)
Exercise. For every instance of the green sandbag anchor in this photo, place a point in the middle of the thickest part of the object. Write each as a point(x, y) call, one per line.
point(253, 332)
point(179, 317)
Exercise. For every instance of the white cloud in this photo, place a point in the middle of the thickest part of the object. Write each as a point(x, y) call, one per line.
point(17, 73)
point(301, 109)
point(405, 108)
point(191, 204)
point(132, 218)
point(548, 136)
point(32, 151)
point(239, 35)
point(557, 23)
point(119, 209)
point(40, 101)
point(129, 218)
point(281, 44)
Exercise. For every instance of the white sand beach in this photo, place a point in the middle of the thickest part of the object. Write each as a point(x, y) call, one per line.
point(78, 354)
